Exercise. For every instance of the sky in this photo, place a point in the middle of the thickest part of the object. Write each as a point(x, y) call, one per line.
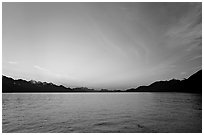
point(101, 45)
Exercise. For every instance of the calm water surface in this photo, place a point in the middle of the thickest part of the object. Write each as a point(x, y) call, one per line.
point(102, 112)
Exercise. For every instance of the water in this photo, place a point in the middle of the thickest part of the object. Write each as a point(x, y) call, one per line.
point(102, 112)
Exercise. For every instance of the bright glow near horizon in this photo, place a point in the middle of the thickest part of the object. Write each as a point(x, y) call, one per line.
point(102, 45)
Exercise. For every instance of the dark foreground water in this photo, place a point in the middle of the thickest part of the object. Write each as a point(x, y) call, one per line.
point(102, 112)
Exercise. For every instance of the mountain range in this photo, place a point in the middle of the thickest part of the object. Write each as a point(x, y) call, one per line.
point(193, 84)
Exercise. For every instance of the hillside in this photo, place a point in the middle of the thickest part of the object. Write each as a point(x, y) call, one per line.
point(193, 84)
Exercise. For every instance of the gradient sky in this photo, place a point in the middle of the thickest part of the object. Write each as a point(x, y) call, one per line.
point(101, 45)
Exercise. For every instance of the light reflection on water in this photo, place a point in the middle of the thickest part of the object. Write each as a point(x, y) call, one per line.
point(102, 112)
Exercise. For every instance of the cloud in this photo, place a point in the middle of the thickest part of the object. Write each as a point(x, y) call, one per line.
point(196, 57)
point(48, 73)
point(188, 30)
point(41, 69)
point(183, 73)
point(13, 62)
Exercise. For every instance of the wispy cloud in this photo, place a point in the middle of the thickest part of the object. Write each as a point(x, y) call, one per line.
point(40, 68)
point(47, 71)
point(188, 31)
point(196, 57)
point(183, 73)
point(13, 62)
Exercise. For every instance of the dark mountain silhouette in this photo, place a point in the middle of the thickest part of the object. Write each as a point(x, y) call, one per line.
point(193, 84)
point(10, 85)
